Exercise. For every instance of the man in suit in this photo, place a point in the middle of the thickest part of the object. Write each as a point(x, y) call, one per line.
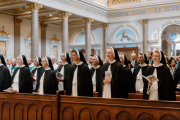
point(151, 62)
point(134, 62)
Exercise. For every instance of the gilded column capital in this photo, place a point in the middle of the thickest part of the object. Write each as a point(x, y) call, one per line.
point(88, 20)
point(105, 25)
point(65, 14)
point(145, 22)
point(17, 21)
point(34, 6)
point(43, 26)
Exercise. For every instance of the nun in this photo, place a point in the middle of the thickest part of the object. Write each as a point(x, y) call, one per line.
point(164, 88)
point(64, 69)
point(112, 84)
point(35, 72)
point(127, 74)
point(21, 79)
point(177, 77)
point(80, 81)
point(139, 71)
point(5, 77)
point(96, 72)
point(46, 82)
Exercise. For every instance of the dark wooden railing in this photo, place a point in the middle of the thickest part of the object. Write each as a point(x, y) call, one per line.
point(61, 107)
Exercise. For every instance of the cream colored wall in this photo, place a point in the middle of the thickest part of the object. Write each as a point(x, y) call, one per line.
point(97, 31)
point(51, 30)
point(8, 23)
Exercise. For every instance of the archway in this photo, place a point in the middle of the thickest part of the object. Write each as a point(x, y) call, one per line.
point(169, 36)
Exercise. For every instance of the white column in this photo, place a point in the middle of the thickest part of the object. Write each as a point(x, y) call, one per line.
point(34, 29)
point(88, 38)
point(65, 31)
point(105, 40)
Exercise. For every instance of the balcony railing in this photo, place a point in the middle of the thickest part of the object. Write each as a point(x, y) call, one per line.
point(113, 2)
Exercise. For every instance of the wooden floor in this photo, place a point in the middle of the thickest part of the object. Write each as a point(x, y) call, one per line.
point(61, 107)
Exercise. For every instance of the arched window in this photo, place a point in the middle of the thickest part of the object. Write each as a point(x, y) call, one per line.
point(80, 38)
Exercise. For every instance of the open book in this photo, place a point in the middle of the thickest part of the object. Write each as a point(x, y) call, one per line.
point(108, 73)
point(151, 78)
point(59, 75)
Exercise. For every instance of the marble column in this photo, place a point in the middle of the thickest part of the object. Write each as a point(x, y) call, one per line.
point(88, 38)
point(105, 40)
point(65, 31)
point(17, 23)
point(145, 36)
point(43, 39)
point(34, 29)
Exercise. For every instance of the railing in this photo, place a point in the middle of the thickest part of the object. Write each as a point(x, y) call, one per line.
point(112, 2)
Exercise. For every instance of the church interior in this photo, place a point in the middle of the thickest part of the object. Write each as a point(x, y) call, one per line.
point(40, 28)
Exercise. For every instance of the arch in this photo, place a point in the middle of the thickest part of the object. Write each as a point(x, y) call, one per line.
point(78, 32)
point(121, 27)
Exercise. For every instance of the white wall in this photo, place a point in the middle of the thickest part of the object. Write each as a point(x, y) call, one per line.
point(136, 24)
point(155, 24)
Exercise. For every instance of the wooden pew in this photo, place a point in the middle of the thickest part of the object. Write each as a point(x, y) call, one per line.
point(62, 107)
point(140, 96)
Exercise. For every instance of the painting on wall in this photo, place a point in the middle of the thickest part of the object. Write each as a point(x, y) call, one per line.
point(55, 51)
point(3, 48)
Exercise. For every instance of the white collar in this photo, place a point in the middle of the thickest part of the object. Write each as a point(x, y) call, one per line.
point(47, 68)
point(31, 65)
point(143, 65)
point(112, 62)
point(1, 64)
point(124, 65)
point(158, 65)
point(21, 66)
point(65, 63)
point(96, 67)
point(133, 60)
point(38, 67)
point(80, 63)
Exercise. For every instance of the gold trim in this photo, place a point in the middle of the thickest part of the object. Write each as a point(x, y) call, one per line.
point(3, 33)
point(105, 25)
point(55, 39)
point(17, 21)
point(145, 22)
point(34, 6)
point(65, 14)
point(88, 20)
point(43, 26)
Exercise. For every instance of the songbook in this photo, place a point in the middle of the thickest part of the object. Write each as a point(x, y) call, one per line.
point(108, 73)
point(59, 75)
point(151, 78)
point(10, 90)
point(177, 87)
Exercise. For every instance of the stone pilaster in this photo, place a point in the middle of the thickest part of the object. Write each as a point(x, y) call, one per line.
point(145, 35)
point(105, 40)
point(43, 39)
point(17, 23)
